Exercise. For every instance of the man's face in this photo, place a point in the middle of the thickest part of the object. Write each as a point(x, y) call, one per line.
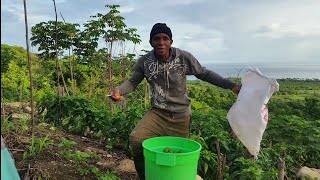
point(161, 44)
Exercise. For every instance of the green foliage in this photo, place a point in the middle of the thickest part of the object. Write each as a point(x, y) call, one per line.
point(107, 176)
point(44, 36)
point(67, 144)
point(81, 160)
point(295, 116)
point(209, 95)
point(79, 156)
point(208, 129)
point(44, 77)
point(75, 113)
point(312, 107)
point(212, 128)
point(111, 27)
point(14, 77)
point(90, 76)
point(6, 56)
point(299, 139)
point(8, 126)
point(82, 116)
point(37, 145)
point(121, 125)
point(251, 169)
point(208, 162)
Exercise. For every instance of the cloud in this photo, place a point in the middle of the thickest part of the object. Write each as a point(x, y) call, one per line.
point(199, 40)
point(60, 1)
point(183, 2)
point(287, 19)
point(213, 30)
point(126, 9)
point(13, 12)
point(282, 30)
point(275, 31)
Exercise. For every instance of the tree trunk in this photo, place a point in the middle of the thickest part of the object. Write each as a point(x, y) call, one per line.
point(72, 74)
point(57, 55)
point(123, 74)
point(56, 47)
point(62, 77)
point(91, 85)
point(110, 74)
point(281, 169)
point(221, 162)
point(29, 66)
point(57, 67)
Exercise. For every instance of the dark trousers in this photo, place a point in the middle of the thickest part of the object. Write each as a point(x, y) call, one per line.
point(155, 123)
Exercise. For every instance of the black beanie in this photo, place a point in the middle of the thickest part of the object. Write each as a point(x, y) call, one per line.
point(160, 28)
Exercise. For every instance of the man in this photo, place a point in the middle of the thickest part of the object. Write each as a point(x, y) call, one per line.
point(165, 68)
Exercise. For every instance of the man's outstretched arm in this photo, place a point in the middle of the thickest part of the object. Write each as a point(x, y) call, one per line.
point(131, 84)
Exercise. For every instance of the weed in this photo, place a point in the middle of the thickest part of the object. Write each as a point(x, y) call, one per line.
point(37, 146)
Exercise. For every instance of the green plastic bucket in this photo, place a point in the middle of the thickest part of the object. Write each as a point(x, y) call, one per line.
point(171, 158)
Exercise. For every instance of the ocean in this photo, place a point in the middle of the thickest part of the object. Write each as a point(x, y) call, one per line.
point(277, 71)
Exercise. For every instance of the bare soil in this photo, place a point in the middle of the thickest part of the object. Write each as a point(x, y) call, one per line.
point(50, 164)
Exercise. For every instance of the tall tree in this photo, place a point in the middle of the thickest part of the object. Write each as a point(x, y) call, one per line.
point(112, 28)
point(54, 36)
point(72, 34)
point(44, 36)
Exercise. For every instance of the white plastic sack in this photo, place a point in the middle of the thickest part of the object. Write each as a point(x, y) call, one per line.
point(248, 117)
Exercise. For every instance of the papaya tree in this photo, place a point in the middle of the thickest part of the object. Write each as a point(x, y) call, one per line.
point(44, 36)
point(112, 29)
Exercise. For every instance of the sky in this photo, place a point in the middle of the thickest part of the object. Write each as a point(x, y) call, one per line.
point(214, 31)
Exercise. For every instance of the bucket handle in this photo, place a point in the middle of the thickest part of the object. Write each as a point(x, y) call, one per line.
point(166, 159)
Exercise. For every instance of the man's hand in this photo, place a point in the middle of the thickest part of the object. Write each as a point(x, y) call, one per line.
point(236, 89)
point(115, 95)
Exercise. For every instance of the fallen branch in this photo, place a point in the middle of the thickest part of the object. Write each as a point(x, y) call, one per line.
point(20, 150)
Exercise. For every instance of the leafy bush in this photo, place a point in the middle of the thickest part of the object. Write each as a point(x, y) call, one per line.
point(80, 115)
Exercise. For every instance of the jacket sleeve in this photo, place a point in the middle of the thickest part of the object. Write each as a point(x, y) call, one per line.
point(195, 68)
point(135, 79)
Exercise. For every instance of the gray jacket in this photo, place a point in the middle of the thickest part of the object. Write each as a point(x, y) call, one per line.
point(168, 80)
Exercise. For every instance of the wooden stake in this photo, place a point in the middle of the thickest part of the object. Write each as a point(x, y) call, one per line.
point(29, 65)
